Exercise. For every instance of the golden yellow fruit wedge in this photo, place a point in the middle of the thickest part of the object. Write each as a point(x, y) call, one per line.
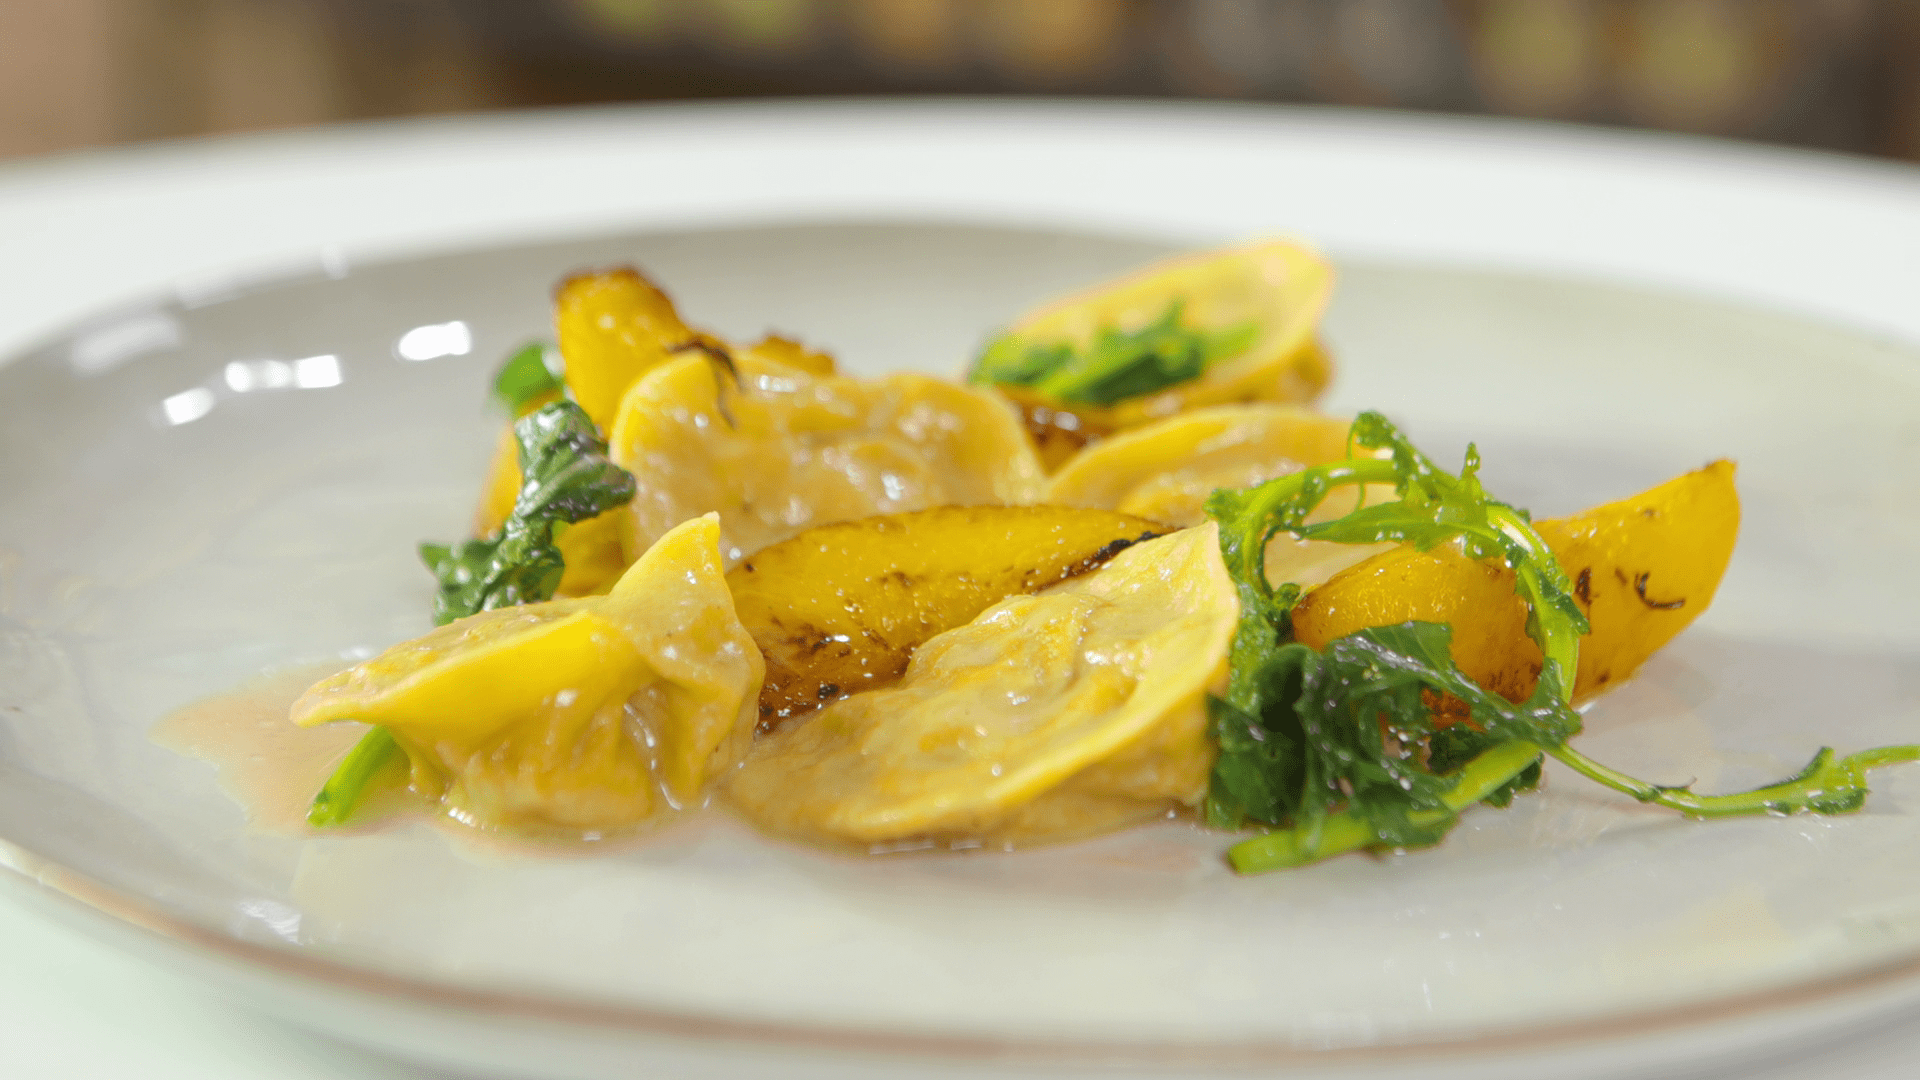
point(616, 325)
point(779, 451)
point(613, 326)
point(1280, 287)
point(1642, 569)
point(775, 349)
point(840, 608)
point(501, 488)
point(1078, 709)
point(532, 717)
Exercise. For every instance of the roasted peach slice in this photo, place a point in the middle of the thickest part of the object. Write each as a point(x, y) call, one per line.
point(840, 608)
point(1642, 569)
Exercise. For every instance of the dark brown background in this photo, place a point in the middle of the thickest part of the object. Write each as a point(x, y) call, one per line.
point(1840, 74)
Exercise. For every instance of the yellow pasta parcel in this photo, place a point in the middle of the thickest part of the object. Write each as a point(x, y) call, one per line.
point(1051, 716)
point(577, 715)
point(1223, 327)
point(775, 450)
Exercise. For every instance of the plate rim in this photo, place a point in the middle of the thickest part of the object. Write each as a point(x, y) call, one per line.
point(1852, 991)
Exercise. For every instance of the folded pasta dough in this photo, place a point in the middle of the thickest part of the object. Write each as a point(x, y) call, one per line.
point(775, 450)
point(575, 715)
point(1080, 709)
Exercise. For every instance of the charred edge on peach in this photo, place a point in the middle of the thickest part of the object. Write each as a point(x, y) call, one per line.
point(1640, 590)
point(781, 699)
point(1102, 556)
point(722, 359)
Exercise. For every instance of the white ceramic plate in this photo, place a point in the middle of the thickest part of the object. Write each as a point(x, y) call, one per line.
point(159, 553)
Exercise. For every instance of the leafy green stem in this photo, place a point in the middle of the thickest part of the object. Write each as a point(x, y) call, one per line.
point(1251, 517)
point(1828, 785)
point(1114, 364)
point(568, 479)
point(1347, 831)
point(1558, 633)
point(1340, 750)
point(343, 789)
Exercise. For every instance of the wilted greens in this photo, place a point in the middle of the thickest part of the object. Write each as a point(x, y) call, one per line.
point(1338, 750)
point(1117, 364)
point(525, 380)
point(567, 479)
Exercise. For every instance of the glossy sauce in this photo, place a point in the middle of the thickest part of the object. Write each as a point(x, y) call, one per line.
point(272, 768)
point(269, 766)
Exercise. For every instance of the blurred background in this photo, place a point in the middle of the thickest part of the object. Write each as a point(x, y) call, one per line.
point(1836, 74)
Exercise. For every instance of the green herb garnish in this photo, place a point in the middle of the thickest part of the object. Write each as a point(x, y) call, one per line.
point(568, 479)
point(1339, 751)
point(1117, 364)
point(526, 378)
point(343, 789)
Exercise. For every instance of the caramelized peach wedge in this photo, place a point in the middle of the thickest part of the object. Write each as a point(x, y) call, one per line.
point(841, 608)
point(1642, 569)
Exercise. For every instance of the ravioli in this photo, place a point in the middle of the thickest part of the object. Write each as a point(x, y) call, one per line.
point(1077, 710)
point(573, 715)
point(1166, 470)
point(1278, 288)
point(774, 449)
